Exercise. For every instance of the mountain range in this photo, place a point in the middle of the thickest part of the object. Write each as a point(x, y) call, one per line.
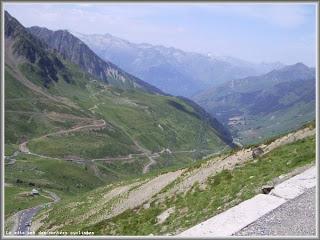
point(75, 51)
point(172, 70)
point(262, 106)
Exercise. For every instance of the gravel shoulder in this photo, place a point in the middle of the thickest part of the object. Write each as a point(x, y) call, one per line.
point(296, 217)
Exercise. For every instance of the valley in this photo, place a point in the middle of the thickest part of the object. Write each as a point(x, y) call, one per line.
point(260, 107)
point(107, 137)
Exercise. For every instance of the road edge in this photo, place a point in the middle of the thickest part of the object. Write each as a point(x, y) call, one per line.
point(238, 217)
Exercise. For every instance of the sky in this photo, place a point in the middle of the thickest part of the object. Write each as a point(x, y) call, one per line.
point(253, 32)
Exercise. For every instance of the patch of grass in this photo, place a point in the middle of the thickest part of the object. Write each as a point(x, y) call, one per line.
point(9, 149)
point(154, 123)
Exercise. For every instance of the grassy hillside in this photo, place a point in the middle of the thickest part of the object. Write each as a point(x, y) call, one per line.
point(133, 120)
point(263, 127)
point(26, 111)
point(61, 177)
point(151, 120)
point(108, 134)
point(69, 133)
point(58, 107)
point(201, 201)
point(77, 52)
point(227, 188)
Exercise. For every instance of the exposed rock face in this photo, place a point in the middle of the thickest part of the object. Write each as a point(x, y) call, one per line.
point(256, 152)
point(21, 43)
point(267, 189)
point(164, 216)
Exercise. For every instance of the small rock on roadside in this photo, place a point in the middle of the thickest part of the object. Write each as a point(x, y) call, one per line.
point(164, 215)
point(267, 189)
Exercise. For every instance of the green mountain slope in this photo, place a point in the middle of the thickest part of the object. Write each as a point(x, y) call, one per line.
point(259, 107)
point(63, 112)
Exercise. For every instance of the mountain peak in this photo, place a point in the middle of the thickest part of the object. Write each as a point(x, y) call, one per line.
point(12, 27)
point(300, 65)
point(34, 52)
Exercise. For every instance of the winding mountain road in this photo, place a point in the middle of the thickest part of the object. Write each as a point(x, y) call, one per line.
point(147, 167)
point(98, 124)
point(25, 219)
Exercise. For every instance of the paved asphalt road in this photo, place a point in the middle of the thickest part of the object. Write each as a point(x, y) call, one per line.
point(296, 217)
point(25, 218)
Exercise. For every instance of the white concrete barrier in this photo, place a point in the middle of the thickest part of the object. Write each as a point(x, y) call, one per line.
point(236, 218)
point(296, 185)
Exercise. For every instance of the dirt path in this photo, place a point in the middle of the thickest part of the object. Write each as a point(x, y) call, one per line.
point(145, 152)
point(92, 109)
point(23, 148)
point(96, 124)
point(104, 201)
point(149, 164)
point(96, 170)
point(53, 196)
